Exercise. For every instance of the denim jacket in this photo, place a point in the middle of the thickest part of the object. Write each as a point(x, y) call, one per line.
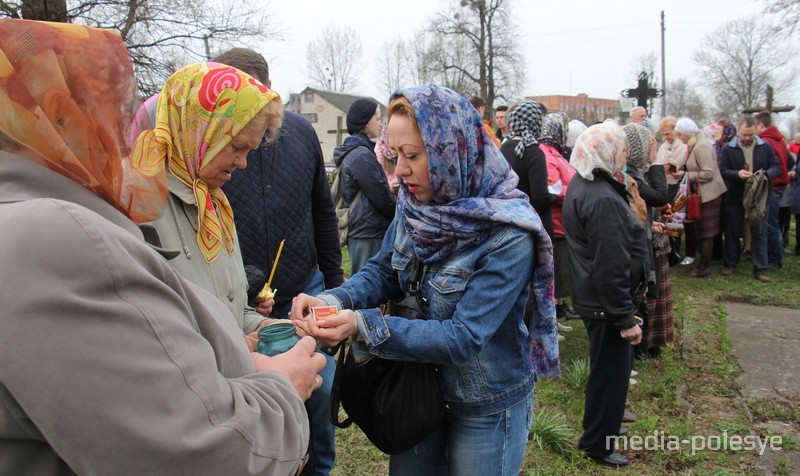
point(474, 334)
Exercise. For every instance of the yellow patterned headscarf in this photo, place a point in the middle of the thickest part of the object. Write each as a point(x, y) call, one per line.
point(67, 94)
point(200, 110)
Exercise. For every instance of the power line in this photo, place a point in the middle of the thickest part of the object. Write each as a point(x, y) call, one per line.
point(613, 27)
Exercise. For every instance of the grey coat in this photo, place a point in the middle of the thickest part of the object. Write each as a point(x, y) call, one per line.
point(113, 363)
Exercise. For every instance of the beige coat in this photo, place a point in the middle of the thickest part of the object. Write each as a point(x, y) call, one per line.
point(702, 166)
point(112, 362)
point(675, 154)
point(225, 276)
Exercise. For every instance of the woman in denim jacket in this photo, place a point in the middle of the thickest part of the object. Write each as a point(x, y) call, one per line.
point(480, 244)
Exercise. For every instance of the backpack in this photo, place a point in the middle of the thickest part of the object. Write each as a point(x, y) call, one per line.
point(757, 190)
point(342, 212)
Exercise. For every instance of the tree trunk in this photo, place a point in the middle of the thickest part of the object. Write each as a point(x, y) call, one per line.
point(45, 10)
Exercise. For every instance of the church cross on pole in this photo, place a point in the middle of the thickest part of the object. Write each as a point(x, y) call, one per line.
point(643, 92)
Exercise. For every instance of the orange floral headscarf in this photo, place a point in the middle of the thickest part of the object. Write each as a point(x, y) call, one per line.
point(67, 94)
point(199, 111)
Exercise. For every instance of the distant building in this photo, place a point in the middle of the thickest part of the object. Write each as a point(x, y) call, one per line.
point(326, 110)
point(581, 107)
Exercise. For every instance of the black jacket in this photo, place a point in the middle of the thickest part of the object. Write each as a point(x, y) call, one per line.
point(608, 249)
point(731, 161)
point(361, 171)
point(284, 194)
point(532, 171)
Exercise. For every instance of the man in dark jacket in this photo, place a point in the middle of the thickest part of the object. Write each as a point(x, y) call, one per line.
point(284, 194)
point(608, 250)
point(774, 138)
point(739, 160)
point(361, 172)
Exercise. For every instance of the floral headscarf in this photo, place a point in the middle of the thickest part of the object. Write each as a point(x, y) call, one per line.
point(728, 133)
point(70, 101)
point(199, 111)
point(526, 121)
point(474, 192)
point(383, 153)
point(602, 147)
point(639, 140)
point(554, 131)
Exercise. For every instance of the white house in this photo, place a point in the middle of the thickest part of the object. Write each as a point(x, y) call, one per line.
point(327, 111)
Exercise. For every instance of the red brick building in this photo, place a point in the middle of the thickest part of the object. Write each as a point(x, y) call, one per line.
point(581, 107)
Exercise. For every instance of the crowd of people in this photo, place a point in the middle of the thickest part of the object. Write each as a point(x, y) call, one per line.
point(130, 227)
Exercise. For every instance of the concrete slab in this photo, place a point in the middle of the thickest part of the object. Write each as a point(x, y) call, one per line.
point(766, 341)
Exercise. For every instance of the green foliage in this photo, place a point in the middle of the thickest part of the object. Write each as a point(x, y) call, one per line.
point(550, 430)
point(577, 374)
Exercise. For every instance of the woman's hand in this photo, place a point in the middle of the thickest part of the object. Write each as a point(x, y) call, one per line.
point(678, 174)
point(301, 364)
point(301, 306)
point(263, 306)
point(331, 330)
point(658, 228)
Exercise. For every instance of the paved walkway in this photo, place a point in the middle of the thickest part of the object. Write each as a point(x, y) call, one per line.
point(766, 342)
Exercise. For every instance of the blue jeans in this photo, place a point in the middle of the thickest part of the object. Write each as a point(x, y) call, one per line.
point(361, 250)
point(774, 237)
point(493, 444)
point(323, 446)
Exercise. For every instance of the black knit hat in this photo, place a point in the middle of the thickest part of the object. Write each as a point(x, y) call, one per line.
point(359, 114)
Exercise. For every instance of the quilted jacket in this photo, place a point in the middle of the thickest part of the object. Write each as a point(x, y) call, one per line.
point(284, 194)
point(361, 171)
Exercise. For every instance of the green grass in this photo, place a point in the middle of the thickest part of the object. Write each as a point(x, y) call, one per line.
point(689, 390)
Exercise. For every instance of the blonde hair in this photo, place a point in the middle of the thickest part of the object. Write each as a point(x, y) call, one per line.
point(669, 121)
point(271, 116)
point(400, 105)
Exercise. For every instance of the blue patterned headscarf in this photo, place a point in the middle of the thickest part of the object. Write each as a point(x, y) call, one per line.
point(474, 191)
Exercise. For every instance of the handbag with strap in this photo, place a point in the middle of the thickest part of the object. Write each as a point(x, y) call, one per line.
point(396, 404)
point(693, 205)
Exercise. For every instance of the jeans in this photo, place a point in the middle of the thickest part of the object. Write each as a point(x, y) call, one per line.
point(323, 446)
point(774, 236)
point(361, 250)
point(492, 444)
point(734, 225)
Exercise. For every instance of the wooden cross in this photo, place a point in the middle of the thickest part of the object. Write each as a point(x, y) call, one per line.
point(769, 107)
point(338, 131)
point(643, 92)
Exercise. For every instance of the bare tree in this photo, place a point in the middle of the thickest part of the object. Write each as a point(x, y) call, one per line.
point(162, 35)
point(739, 60)
point(787, 12)
point(648, 63)
point(333, 58)
point(684, 100)
point(476, 49)
point(392, 64)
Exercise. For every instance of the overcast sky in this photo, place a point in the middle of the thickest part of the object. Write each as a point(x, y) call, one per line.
point(571, 46)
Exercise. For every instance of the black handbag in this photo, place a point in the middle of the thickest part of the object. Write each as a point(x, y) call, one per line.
point(396, 404)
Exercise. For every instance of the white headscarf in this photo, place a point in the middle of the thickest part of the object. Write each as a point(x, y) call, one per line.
point(575, 129)
point(601, 146)
point(687, 126)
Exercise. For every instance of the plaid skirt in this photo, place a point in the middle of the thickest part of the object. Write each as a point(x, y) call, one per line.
point(661, 328)
point(708, 226)
point(563, 268)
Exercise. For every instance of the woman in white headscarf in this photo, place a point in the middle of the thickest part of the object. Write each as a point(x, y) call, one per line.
point(608, 251)
point(703, 177)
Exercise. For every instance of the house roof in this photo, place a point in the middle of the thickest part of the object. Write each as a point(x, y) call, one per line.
point(342, 100)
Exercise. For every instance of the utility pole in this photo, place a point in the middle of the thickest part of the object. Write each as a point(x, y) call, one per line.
point(663, 72)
